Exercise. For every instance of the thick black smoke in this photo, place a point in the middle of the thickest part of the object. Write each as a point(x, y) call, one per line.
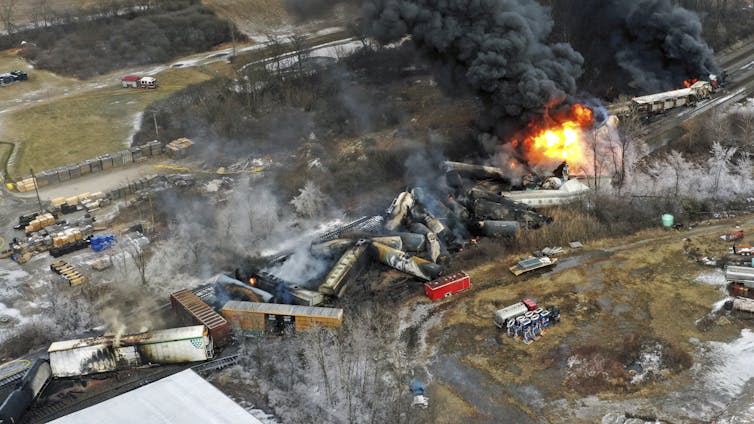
point(309, 9)
point(644, 46)
point(498, 48)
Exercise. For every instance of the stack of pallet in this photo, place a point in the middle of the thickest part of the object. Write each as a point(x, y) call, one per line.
point(57, 202)
point(67, 236)
point(68, 272)
point(27, 184)
point(42, 221)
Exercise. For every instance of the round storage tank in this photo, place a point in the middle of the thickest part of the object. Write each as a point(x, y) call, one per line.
point(668, 220)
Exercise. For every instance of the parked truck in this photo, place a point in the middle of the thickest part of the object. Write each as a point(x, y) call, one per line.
point(13, 76)
point(502, 316)
point(137, 81)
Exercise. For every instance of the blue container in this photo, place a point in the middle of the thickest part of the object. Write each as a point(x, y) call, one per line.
point(102, 242)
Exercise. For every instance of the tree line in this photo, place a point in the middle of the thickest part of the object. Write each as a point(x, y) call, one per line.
point(114, 35)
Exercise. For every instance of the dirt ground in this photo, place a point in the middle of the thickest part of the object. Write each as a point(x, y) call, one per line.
point(615, 297)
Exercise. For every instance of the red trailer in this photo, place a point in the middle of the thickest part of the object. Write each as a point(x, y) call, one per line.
point(130, 81)
point(445, 286)
point(192, 310)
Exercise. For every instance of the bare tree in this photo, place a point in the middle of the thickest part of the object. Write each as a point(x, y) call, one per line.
point(140, 260)
point(719, 165)
point(677, 163)
point(7, 15)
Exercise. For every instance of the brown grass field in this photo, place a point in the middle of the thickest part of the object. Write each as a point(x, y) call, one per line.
point(647, 274)
point(85, 124)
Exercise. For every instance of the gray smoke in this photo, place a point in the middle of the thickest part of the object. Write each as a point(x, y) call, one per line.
point(662, 44)
point(306, 9)
point(498, 48)
point(648, 45)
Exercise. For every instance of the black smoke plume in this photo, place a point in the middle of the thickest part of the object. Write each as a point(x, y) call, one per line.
point(639, 46)
point(312, 9)
point(498, 48)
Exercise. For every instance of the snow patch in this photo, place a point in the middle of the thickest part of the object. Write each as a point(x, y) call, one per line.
point(730, 367)
point(715, 278)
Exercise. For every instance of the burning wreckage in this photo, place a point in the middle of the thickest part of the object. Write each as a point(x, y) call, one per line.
point(418, 233)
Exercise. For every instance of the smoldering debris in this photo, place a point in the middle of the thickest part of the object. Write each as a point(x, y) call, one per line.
point(421, 229)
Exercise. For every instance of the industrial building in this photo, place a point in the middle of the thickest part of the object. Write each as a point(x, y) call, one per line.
point(184, 397)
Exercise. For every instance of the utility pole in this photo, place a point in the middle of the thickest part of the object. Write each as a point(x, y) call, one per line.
point(36, 189)
point(156, 131)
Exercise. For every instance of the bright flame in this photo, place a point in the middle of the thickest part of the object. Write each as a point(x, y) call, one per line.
point(560, 140)
point(252, 281)
point(689, 83)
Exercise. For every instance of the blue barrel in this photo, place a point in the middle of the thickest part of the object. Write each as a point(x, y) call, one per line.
point(535, 324)
point(545, 317)
point(668, 220)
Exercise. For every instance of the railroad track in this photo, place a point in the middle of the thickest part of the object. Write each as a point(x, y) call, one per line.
point(217, 364)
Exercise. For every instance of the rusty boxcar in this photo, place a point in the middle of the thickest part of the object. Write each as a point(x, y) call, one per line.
point(280, 319)
point(192, 310)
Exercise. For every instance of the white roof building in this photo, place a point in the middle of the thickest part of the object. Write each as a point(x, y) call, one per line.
point(184, 397)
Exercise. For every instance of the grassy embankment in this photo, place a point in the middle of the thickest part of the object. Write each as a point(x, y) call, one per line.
point(86, 124)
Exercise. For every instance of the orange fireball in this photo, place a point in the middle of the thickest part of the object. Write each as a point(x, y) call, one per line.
point(560, 138)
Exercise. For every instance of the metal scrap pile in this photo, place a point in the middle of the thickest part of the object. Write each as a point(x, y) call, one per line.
point(422, 226)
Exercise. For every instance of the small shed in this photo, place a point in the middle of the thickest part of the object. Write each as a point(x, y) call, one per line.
point(445, 286)
point(130, 81)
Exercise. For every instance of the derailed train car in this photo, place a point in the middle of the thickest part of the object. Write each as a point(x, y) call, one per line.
point(192, 310)
point(660, 102)
point(110, 353)
point(26, 392)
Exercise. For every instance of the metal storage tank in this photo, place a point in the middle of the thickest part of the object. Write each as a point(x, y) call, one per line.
point(502, 316)
point(174, 345)
point(740, 274)
point(270, 317)
point(347, 268)
point(90, 356)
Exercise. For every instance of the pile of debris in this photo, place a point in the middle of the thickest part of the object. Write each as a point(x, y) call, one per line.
point(420, 230)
